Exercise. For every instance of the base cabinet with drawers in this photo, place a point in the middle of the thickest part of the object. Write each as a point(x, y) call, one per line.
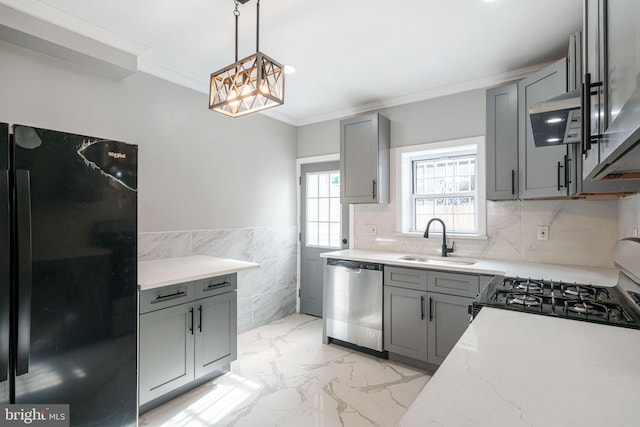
point(425, 311)
point(187, 333)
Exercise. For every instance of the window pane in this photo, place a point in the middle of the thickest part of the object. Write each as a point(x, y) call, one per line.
point(323, 185)
point(323, 234)
point(323, 210)
point(445, 188)
point(312, 185)
point(312, 234)
point(334, 208)
point(334, 190)
point(334, 234)
point(312, 209)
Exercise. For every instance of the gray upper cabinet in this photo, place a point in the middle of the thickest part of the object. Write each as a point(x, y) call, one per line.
point(502, 142)
point(364, 159)
point(543, 170)
point(611, 57)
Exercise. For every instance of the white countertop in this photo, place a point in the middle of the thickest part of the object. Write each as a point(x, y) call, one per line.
point(163, 272)
point(588, 275)
point(514, 369)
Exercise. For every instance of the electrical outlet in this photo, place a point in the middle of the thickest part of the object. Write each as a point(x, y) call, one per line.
point(370, 230)
point(635, 232)
point(543, 232)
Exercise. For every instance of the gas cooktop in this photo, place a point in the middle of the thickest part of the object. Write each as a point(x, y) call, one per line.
point(607, 305)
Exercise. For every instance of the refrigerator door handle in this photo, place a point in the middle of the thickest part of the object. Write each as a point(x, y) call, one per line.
point(5, 275)
point(23, 219)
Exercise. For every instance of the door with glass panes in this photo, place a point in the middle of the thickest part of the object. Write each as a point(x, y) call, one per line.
point(324, 227)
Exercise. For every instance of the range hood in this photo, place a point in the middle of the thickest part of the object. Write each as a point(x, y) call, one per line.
point(557, 121)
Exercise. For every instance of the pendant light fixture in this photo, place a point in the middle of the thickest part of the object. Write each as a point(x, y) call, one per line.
point(251, 84)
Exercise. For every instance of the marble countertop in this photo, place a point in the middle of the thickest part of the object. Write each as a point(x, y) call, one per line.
point(514, 369)
point(163, 272)
point(589, 275)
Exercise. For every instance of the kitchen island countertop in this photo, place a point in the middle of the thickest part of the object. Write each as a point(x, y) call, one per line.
point(514, 369)
point(164, 272)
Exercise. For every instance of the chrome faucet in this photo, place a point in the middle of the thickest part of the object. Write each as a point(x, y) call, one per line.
point(445, 250)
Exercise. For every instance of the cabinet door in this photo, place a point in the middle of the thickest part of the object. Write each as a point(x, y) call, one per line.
point(405, 322)
point(364, 159)
point(448, 319)
point(166, 350)
point(502, 142)
point(216, 332)
point(542, 169)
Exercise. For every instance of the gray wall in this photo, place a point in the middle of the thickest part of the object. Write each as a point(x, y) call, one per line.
point(197, 169)
point(450, 117)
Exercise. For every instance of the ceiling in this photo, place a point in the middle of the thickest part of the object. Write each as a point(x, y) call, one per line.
point(350, 56)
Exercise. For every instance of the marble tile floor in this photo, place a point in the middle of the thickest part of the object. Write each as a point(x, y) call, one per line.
point(285, 376)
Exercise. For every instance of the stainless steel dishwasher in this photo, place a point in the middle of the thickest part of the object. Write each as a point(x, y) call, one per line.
point(353, 297)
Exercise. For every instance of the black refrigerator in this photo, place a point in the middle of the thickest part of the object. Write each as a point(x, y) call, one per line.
point(68, 291)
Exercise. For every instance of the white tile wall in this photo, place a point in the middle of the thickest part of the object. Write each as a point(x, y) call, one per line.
point(265, 294)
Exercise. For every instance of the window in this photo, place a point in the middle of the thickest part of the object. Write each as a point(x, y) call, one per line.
point(323, 217)
point(445, 187)
point(442, 180)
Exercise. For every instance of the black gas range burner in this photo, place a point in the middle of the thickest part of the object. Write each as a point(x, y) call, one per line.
point(527, 286)
point(588, 309)
point(568, 300)
point(524, 300)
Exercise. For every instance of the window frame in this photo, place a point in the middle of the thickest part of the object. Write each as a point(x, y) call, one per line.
point(404, 157)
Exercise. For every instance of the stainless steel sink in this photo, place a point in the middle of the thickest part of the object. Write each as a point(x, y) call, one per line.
point(436, 261)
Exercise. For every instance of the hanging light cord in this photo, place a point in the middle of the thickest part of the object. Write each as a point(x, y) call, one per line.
point(236, 13)
point(258, 26)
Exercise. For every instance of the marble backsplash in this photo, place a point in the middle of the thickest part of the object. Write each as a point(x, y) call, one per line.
point(629, 216)
point(581, 232)
point(265, 294)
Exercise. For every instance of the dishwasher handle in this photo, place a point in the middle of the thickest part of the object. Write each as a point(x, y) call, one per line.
point(354, 265)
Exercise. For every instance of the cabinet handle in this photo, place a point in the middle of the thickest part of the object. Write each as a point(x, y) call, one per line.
point(567, 175)
point(161, 298)
point(374, 188)
point(513, 182)
point(218, 285)
point(421, 307)
point(430, 309)
point(191, 327)
point(587, 138)
point(200, 319)
point(560, 166)
point(586, 113)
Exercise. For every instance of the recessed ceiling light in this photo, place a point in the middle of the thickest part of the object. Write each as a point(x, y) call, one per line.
point(289, 69)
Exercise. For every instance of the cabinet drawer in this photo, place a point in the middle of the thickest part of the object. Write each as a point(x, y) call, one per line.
point(166, 296)
point(408, 278)
point(215, 286)
point(453, 283)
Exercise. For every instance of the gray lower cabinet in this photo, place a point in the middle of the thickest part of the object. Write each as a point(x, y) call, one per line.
point(187, 331)
point(166, 351)
point(405, 322)
point(448, 319)
point(425, 311)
